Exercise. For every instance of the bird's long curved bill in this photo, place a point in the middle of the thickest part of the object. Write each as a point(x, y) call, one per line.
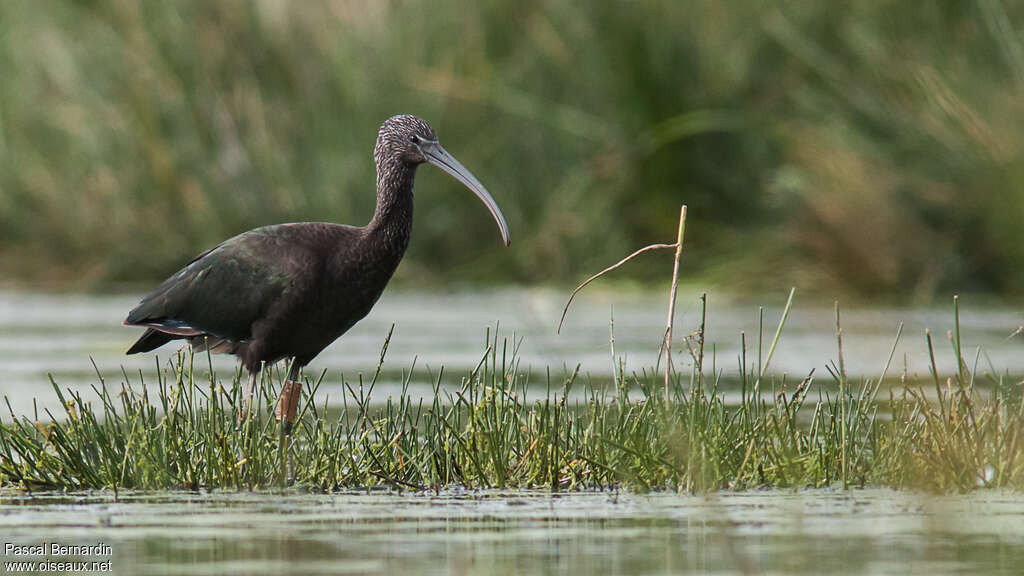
point(440, 157)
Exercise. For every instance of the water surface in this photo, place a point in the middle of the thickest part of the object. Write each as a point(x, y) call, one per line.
point(466, 532)
point(59, 334)
point(463, 532)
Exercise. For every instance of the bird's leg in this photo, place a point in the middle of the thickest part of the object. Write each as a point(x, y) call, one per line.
point(287, 411)
point(288, 404)
point(243, 414)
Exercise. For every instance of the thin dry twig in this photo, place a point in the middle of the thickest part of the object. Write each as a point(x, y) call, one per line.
point(603, 272)
point(678, 246)
point(842, 396)
point(672, 296)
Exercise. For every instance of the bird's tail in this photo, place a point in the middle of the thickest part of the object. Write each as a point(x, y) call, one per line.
point(151, 340)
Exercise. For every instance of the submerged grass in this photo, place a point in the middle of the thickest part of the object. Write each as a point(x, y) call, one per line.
point(496, 431)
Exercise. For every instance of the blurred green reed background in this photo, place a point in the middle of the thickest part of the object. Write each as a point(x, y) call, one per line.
point(870, 148)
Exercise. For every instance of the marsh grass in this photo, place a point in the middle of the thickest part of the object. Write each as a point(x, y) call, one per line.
point(499, 430)
point(876, 149)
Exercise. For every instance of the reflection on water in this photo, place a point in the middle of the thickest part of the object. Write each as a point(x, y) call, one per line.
point(58, 334)
point(811, 532)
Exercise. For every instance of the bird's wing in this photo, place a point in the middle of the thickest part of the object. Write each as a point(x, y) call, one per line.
point(224, 290)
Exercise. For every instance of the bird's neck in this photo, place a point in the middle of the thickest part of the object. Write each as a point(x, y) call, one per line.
point(392, 219)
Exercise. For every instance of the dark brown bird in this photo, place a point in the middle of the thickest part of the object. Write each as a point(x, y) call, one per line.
point(287, 291)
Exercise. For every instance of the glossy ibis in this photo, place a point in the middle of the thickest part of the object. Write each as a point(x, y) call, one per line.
point(287, 291)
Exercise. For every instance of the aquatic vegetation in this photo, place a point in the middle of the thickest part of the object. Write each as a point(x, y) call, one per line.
point(499, 430)
point(874, 149)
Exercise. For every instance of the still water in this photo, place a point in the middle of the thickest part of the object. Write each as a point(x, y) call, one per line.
point(59, 334)
point(767, 532)
point(462, 532)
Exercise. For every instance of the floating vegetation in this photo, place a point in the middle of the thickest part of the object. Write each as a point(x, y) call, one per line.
point(499, 430)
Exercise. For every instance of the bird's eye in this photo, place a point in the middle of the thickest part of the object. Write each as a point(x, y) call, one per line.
point(414, 139)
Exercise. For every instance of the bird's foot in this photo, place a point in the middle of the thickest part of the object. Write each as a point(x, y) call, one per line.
point(287, 468)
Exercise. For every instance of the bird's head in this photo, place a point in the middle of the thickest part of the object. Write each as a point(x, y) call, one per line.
point(400, 138)
point(411, 141)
